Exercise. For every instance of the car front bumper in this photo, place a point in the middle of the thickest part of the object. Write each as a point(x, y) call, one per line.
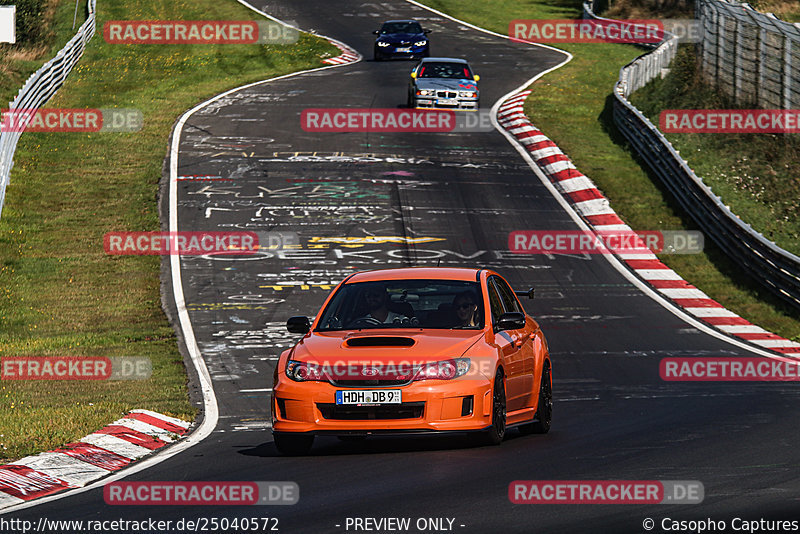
point(432, 102)
point(401, 51)
point(427, 406)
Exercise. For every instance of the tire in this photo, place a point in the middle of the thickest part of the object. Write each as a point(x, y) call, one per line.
point(293, 444)
point(495, 435)
point(544, 409)
point(411, 104)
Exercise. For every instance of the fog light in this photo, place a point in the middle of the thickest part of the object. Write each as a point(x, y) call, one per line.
point(466, 406)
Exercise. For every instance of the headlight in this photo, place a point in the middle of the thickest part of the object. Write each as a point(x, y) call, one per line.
point(303, 372)
point(425, 92)
point(443, 370)
point(467, 94)
point(383, 44)
point(420, 43)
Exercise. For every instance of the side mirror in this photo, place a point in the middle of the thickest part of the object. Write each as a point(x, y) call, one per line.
point(413, 74)
point(476, 78)
point(511, 321)
point(376, 32)
point(426, 31)
point(528, 293)
point(298, 324)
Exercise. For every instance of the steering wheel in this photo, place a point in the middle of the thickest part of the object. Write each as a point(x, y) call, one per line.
point(364, 321)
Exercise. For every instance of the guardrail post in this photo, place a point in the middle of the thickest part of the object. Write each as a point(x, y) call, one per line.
point(788, 100)
point(738, 69)
point(720, 73)
point(762, 94)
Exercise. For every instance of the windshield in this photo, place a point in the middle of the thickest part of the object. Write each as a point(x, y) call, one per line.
point(435, 69)
point(401, 27)
point(447, 304)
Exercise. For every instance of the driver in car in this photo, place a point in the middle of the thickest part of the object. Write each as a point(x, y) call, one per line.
point(465, 307)
point(377, 299)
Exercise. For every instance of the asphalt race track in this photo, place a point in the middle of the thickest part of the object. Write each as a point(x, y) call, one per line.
point(447, 199)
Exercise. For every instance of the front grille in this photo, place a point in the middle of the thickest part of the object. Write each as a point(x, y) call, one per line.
point(408, 410)
point(370, 383)
point(446, 94)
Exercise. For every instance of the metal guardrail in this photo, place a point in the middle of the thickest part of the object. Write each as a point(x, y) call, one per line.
point(39, 88)
point(753, 57)
point(777, 269)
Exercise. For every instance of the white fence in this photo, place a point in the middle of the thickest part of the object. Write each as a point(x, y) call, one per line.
point(39, 88)
point(751, 56)
point(774, 267)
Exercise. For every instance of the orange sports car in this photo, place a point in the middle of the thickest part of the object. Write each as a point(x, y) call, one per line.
point(403, 351)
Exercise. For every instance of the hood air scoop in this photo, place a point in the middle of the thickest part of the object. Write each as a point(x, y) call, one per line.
point(379, 341)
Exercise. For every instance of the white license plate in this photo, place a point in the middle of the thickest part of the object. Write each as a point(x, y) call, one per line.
point(406, 49)
point(369, 396)
point(447, 102)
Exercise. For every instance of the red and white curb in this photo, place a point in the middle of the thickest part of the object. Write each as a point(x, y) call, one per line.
point(348, 55)
point(109, 449)
point(595, 209)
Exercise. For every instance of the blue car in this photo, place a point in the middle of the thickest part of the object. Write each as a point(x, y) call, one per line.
point(401, 38)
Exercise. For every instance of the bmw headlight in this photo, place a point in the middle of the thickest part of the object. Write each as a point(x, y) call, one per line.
point(425, 92)
point(467, 94)
point(383, 44)
point(420, 43)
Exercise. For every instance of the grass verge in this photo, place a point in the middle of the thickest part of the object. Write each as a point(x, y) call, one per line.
point(787, 10)
point(572, 106)
point(61, 295)
point(757, 175)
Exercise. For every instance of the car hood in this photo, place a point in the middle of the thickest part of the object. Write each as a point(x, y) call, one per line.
point(396, 346)
point(452, 84)
point(402, 37)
